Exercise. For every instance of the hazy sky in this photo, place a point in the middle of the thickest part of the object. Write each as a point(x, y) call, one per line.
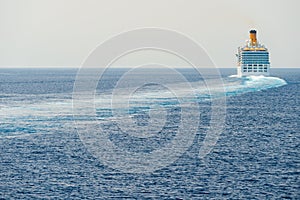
point(64, 32)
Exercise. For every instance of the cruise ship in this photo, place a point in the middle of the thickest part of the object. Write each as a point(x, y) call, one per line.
point(253, 58)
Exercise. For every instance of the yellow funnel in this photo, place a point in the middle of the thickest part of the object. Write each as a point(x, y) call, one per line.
point(253, 37)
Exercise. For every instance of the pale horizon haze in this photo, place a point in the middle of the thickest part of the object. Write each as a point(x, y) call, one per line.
point(63, 33)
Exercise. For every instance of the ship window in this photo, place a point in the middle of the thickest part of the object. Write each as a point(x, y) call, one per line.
point(255, 71)
point(260, 65)
point(265, 70)
point(250, 70)
point(265, 67)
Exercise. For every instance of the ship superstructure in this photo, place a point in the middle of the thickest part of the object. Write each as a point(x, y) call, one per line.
point(253, 58)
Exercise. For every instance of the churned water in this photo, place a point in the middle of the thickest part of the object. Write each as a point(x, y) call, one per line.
point(43, 155)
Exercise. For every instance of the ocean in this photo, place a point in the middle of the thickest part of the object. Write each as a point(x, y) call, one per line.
point(55, 147)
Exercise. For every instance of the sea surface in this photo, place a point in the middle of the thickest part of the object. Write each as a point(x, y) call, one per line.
point(45, 147)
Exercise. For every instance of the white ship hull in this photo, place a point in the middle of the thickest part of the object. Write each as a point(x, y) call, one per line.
point(253, 71)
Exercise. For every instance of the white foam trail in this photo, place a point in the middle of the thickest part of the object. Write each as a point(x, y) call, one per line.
point(265, 82)
point(34, 113)
point(256, 83)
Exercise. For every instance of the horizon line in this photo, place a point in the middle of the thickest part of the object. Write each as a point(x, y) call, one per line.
point(77, 67)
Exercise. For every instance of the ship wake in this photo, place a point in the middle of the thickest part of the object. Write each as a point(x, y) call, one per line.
point(39, 117)
point(252, 84)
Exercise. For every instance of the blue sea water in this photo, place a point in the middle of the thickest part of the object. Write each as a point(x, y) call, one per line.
point(256, 156)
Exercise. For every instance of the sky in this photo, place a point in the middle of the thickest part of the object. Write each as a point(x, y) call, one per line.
point(62, 33)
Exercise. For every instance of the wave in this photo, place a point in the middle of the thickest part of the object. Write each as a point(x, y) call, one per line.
point(39, 115)
point(152, 98)
point(252, 84)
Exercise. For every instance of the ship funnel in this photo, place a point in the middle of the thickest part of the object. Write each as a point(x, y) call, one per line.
point(253, 37)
